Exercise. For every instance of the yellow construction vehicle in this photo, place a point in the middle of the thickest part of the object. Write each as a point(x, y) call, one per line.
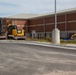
point(14, 33)
point(73, 37)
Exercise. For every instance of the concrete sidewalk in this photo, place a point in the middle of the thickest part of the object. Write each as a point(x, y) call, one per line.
point(65, 46)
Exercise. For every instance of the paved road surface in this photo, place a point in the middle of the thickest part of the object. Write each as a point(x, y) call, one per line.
point(22, 59)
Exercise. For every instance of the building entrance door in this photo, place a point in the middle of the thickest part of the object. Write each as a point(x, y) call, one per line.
point(33, 34)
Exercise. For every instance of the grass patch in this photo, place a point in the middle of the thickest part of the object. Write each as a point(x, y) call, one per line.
point(40, 40)
point(50, 40)
point(68, 41)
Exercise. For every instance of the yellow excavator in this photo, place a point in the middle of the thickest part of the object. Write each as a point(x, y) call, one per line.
point(14, 33)
point(73, 37)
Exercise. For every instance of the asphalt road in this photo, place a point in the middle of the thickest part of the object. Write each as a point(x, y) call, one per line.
point(22, 59)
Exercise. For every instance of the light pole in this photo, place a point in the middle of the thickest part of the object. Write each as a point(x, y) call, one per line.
point(55, 16)
point(56, 32)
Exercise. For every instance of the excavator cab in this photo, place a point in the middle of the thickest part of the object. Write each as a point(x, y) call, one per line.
point(10, 28)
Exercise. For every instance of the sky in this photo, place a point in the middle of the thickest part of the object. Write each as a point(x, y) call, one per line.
point(13, 7)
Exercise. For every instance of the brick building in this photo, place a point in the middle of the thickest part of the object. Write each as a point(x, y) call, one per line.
point(42, 25)
point(0, 26)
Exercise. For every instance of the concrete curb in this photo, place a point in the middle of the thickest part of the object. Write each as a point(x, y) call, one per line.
point(65, 46)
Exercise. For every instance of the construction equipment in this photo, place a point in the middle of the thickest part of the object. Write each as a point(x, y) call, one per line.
point(14, 33)
point(73, 37)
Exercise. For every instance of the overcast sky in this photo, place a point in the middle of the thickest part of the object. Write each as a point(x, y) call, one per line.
point(13, 7)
